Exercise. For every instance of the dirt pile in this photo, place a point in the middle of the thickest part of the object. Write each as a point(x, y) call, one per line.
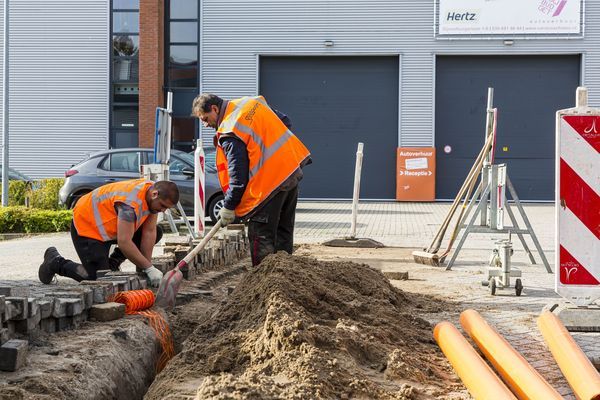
point(298, 328)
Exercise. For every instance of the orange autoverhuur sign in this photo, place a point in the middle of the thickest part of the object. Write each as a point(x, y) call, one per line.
point(415, 174)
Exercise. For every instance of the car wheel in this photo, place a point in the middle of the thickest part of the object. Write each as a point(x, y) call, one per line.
point(76, 198)
point(214, 207)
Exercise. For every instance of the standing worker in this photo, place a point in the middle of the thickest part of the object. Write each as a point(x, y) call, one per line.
point(259, 163)
point(122, 213)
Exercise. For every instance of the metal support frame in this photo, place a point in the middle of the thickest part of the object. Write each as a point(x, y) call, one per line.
point(162, 155)
point(485, 228)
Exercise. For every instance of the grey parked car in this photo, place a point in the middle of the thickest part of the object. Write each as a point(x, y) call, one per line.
point(121, 164)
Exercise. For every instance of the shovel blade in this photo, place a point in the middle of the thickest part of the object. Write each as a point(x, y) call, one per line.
point(169, 286)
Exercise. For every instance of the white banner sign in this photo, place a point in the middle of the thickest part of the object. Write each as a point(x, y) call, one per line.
point(509, 17)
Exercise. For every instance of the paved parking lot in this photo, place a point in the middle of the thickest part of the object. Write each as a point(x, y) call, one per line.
point(413, 225)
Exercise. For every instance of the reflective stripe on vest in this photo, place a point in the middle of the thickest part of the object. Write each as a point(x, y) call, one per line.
point(265, 124)
point(131, 197)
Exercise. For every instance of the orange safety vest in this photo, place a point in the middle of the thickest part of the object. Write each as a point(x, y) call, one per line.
point(95, 216)
point(274, 152)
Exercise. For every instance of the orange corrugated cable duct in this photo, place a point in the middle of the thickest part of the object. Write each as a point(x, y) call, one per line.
point(575, 366)
point(477, 376)
point(138, 302)
point(521, 378)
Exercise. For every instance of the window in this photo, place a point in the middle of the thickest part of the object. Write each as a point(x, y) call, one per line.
point(184, 32)
point(176, 166)
point(125, 117)
point(183, 78)
point(124, 101)
point(126, 4)
point(127, 22)
point(184, 132)
point(182, 27)
point(125, 45)
point(183, 56)
point(122, 162)
point(182, 9)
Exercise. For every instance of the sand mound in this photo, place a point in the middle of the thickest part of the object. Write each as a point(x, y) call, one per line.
point(298, 328)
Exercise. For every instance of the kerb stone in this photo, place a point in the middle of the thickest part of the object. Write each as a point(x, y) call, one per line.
point(107, 311)
point(13, 354)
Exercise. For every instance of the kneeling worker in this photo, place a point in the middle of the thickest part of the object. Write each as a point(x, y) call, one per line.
point(122, 213)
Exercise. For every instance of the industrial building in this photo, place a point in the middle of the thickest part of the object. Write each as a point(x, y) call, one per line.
point(88, 75)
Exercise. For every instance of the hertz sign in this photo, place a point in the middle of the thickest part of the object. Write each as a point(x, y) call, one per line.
point(509, 17)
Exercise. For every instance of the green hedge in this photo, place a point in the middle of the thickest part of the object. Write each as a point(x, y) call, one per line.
point(42, 194)
point(30, 220)
point(17, 191)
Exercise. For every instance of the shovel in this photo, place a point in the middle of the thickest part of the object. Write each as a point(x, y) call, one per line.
point(169, 285)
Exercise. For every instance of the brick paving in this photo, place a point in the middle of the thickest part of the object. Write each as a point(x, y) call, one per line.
point(412, 225)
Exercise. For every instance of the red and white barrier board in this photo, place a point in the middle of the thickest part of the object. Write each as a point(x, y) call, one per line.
point(578, 203)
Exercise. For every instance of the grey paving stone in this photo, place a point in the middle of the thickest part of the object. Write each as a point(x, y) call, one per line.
point(14, 291)
point(16, 308)
point(107, 311)
point(64, 307)
point(30, 324)
point(3, 336)
point(46, 304)
point(13, 354)
point(48, 325)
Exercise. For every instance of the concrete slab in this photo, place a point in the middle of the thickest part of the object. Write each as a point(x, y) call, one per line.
point(362, 243)
point(579, 319)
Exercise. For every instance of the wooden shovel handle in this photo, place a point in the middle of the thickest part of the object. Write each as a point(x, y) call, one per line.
point(190, 256)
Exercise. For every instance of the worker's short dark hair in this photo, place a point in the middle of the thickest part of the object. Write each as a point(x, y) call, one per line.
point(167, 190)
point(203, 102)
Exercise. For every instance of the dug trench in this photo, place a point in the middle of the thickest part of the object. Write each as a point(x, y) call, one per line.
point(108, 360)
point(294, 328)
point(300, 328)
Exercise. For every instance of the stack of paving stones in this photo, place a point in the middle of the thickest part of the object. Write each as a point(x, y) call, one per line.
point(29, 308)
point(229, 245)
point(210, 265)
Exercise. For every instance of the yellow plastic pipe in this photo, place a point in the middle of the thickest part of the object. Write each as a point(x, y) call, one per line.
point(477, 376)
point(525, 382)
point(575, 366)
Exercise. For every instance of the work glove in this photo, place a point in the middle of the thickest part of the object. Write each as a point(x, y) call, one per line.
point(226, 216)
point(154, 276)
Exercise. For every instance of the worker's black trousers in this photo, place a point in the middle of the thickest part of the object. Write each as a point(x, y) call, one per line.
point(271, 229)
point(94, 255)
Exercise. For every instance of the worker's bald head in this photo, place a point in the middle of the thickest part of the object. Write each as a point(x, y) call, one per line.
point(162, 196)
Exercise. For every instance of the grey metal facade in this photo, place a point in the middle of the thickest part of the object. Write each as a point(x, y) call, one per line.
point(59, 83)
point(234, 34)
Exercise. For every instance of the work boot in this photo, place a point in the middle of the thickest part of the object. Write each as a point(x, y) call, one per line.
point(114, 264)
point(116, 259)
point(50, 265)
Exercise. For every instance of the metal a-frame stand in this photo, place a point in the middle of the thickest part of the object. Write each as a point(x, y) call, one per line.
point(490, 225)
point(159, 170)
point(493, 200)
